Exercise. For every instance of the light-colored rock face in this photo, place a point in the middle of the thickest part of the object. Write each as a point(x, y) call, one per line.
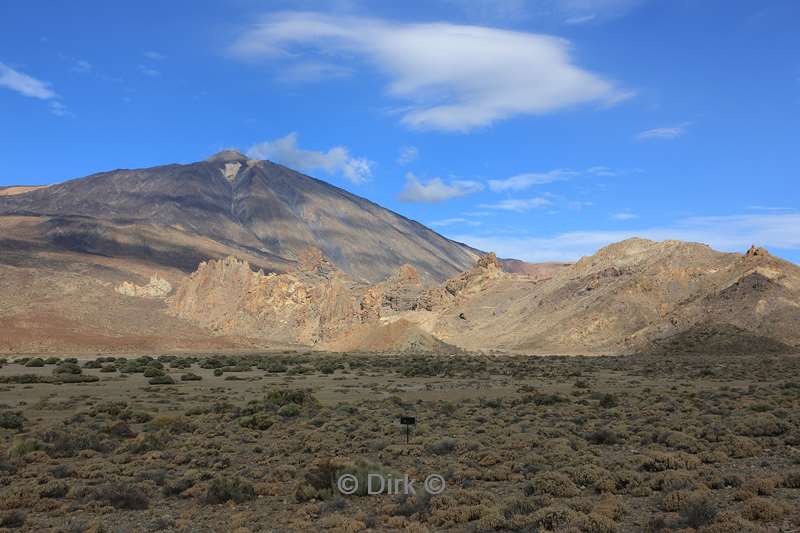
point(302, 307)
point(231, 170)
point(157, 287)
point(314, 305)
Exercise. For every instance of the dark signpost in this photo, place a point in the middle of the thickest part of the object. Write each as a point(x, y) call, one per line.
point(408, 421)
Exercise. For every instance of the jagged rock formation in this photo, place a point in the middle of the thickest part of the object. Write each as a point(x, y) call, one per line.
point(314, 305)
point(157, 287)
point(465, 285)
point(306, 306)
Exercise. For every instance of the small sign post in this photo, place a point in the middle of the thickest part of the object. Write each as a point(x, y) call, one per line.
point(408, 421)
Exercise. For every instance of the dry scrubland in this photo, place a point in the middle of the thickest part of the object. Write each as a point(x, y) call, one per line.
point(252, 443)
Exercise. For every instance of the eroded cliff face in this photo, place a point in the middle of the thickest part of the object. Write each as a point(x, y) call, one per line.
point(305, 306)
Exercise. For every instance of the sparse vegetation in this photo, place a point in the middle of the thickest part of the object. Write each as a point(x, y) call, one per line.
point(521, 446)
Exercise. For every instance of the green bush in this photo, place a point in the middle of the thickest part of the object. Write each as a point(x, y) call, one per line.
point(260, 422)
point(222, 490)
point(123, 496)
point(289, 410)
point(10, 420)
point(67, 368)
point(153, 372)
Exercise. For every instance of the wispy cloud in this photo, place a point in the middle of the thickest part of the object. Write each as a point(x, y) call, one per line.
point(662, 133)
point(436, 189)
point(453, 77)
point(24, 84)
point(624, 215)
point(81, 66)
point(521, 182)
point(570, 11)
point(29, 86)
point(579, 205)
point(582, 19)
point(727, 233)
point(408, 154)
point(455, 222)
point(312, 71)
point(154, 56)
point(337, 160)
point(148, 71)
point(59, 109)
point(770, 208)
point(520, 205)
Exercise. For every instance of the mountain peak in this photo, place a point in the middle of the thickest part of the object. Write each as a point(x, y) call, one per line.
point(228, 156)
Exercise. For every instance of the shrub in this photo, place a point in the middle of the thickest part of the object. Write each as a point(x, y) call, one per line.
point(553, 517)
point(792, 480)
point(12, 519)
point(35, 362)
point(608, 401)
point(603, 436)
point(698, 511)
point(289, 410)
point(172, 424)
point(542, 399)
point(161, 380)
point(176, 487)
point(218, 372)
point(190, 377)
point(148, 442)
point(153, 372)
point(761, 510)
point(259, 422)
point(11, 420)
point(443, 447)
point(24, 447)
point(54, 489)
point(553, 484)
point(226, 489)
point(661, 461)
point(122, 495)
point(67, 368)
point(274, 367)
point(69, 443)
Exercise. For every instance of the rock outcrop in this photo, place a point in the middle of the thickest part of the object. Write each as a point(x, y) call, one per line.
point(301, 307)
point(157, 287)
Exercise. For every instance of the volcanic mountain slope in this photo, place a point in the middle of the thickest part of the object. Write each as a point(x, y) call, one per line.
point(259, 210)
point(73, 256)
point(629, 296)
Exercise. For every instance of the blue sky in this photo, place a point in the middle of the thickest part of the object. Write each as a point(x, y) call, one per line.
point(541, 129)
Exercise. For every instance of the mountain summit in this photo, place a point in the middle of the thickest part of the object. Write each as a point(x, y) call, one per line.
point(258, 210)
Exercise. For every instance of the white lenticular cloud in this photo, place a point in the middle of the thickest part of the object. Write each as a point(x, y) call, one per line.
point(337, 160)
point(450, 77)
point(436, 189)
